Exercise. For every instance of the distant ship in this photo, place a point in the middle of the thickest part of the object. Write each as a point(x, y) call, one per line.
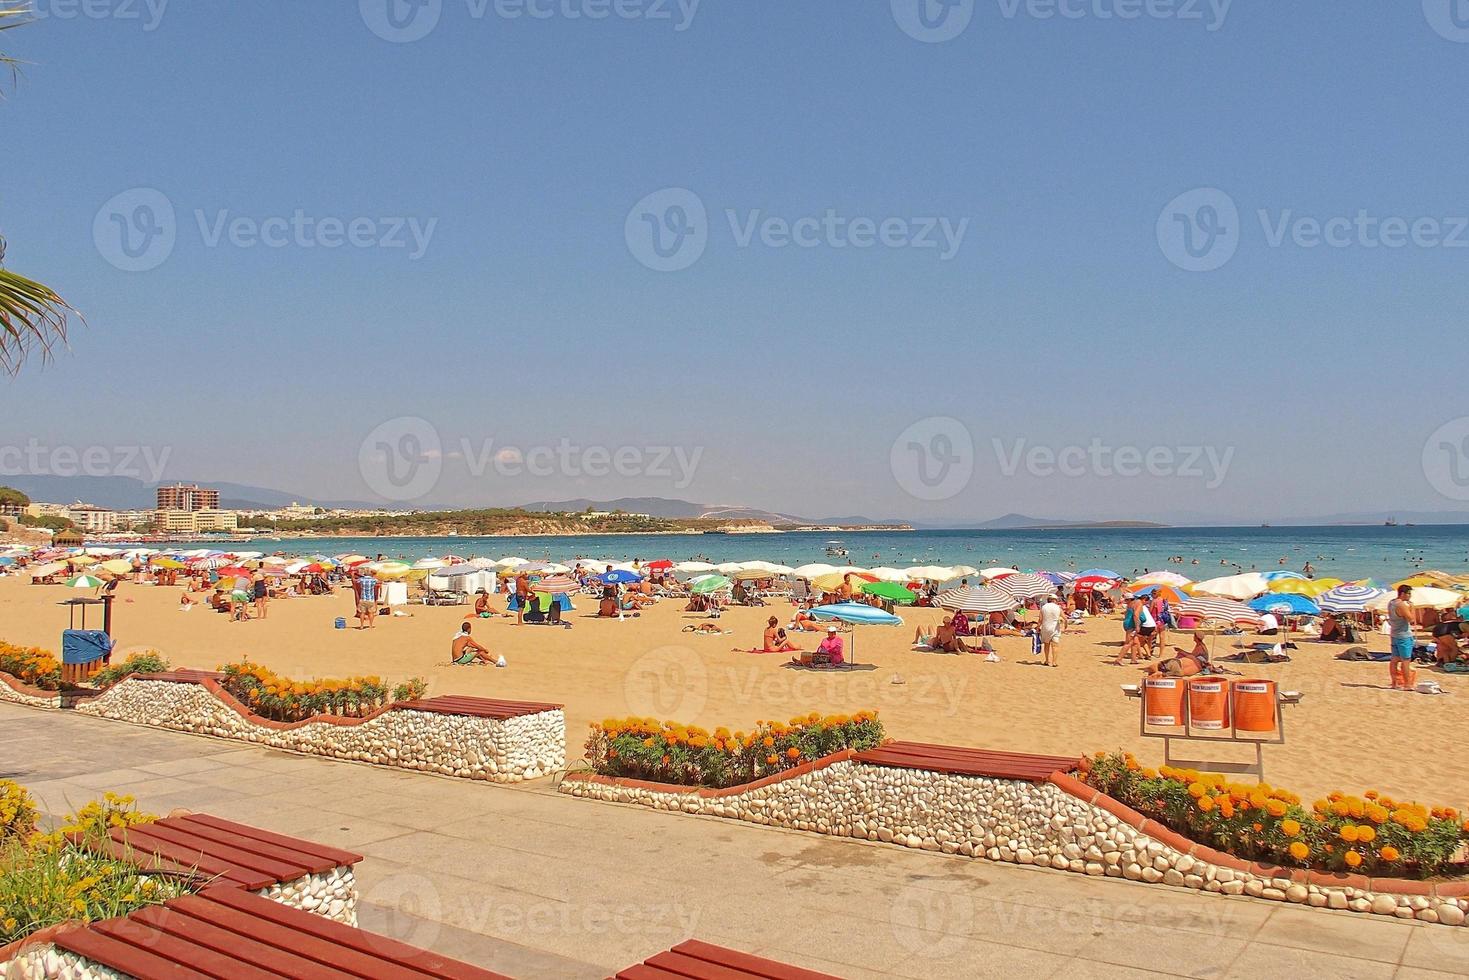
point(1390, 522)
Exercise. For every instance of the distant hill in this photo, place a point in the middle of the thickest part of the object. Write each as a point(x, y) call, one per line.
point(686, 509)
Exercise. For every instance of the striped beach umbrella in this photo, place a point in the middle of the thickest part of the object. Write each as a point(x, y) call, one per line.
point(84, 582)
point(1219, 610)
point(1096, 583)
point(1240, 587)
point(978, 599)
point(1159, 578)
point(1026, 586)
point(1350, 598)
point(556, 585)
point(1286, 604)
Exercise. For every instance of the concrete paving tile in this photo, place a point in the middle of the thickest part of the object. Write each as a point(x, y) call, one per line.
point(1261, 959)
point(1363, 936)
point(1159, 949)
point(1438, 947)
point(1417, 973)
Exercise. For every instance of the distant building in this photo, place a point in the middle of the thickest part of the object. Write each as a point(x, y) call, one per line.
point(93, 520)
point(187, 497)
point(12, 510)
point(197, 521)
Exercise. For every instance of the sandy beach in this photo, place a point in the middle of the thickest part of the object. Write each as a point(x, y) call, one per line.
point(1350, 733)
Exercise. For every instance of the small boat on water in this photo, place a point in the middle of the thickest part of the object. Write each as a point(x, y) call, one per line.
point(836, 549)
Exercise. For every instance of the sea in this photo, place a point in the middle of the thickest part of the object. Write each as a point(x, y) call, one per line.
point(1384, 553)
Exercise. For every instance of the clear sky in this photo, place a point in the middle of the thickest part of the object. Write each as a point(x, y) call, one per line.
point(1084, 290)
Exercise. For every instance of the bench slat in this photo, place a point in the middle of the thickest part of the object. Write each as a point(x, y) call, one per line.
point(233, 943)
point(755, 965)
point(682, 965)
point(121, 956)
point(181, 951)
point(236, 857)
point(204, 864)
point(222, 843)
point(334, 854)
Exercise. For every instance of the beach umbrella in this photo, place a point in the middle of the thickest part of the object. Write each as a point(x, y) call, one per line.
point(1299, 586)
point(456, 571)
point(813, 570)
point(693, 566)
point(891, 591)
point(1349, 598)
point(49, 568)
point(117, 566)
point(658, 563)
point(510, 561)
point(1240, 587)
point(751, 575)
point(930, 573)
point(350, 559)
point(1423, 598)
point(1026, 586)
point(1100, 573)
point(709, 583)
point(430, 563)
point(978, 599)
point(103, 552)
point(856, 614)
point(1159, 578)
point(1173, 594)
point(1285, 603)
point(990, 574)
point(1096, 583)
point(729, 567)
point(962, 571)
point(84, 581)
point(1280, 573)
point(82, 560)
point(556, 585)
point(757, 566)
point(620, 576)
point(1057, 578)
point(1222, 610)
point(886, 574)
point(390, 569)
point(834, 580)
point(234, 570)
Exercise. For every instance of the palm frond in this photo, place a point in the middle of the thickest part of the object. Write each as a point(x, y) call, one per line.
point(32, 317)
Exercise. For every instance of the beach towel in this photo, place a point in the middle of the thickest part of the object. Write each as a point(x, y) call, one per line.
point(1456, 668)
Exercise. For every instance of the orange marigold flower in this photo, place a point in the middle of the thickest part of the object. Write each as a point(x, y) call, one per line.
point(1366, 835)
point(1389, 853)
point(768, 742)
point(1353, 859)
point(771, 760)
point(1276, 808)
point(1149, 774)
point(1299, 851)
point(1226, 808)
point(1196, 790)
point(1290, 828)
point(1348, 833)
point(793, 753)
point(1206, 803)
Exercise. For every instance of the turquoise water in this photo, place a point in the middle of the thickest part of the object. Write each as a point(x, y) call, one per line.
point(1341, 552)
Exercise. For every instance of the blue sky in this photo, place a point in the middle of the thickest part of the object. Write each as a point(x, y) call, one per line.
point(519, 146)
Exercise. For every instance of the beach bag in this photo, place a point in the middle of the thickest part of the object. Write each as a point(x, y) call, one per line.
point(500, 661)
point(1428, 687)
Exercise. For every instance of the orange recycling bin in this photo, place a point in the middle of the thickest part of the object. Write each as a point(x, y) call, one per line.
point(1163, 701)
point(1208, 703)
point(1255, 706)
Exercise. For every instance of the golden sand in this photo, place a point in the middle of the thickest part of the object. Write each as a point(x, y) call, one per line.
point(1350, 733)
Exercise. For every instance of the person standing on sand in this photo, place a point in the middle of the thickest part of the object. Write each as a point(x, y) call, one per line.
point(1400, 624)
point(1050, 627)
point(522, 596)
point(260, 592)
point(367, 600)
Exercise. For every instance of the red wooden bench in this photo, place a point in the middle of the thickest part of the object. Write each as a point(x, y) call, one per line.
point(705, 961)
point(228, 933)
point(449, 704)
point(959, 761)
point(183, 675)
point(233, 853)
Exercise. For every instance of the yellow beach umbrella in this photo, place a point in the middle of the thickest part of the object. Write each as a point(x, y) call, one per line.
point(84, 560)
point(834, 580)
point(1299, 586)
point(166, 563)
point(117, 566)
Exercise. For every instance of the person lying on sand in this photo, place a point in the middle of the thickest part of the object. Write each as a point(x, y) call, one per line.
point(705, 629)
point(1186, 664)
point(464, 650)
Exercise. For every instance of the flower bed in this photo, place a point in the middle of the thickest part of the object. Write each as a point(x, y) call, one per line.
point(31, 665)
point(1371, 834)
point(686, 755)
point(48, 879)
point(146, 662)
point(283, 699)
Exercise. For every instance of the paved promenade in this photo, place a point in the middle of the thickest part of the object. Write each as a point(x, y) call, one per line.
point(533, 884)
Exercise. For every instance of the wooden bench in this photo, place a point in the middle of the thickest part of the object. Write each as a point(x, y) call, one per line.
point(449, 704)
point(183, 675)
point(958, 761)
point(705, 961)
point(228, 933)
point(232, 853)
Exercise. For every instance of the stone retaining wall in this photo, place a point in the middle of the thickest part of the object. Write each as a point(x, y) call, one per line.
point(43, 961)
point(509, 750)
point(14, 691)
point(1061, 824)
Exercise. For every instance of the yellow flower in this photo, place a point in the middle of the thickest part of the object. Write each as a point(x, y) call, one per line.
point(1299, 851)
point(1290, 828)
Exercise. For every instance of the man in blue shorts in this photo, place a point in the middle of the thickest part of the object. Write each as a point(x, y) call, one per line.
point(1400, 625)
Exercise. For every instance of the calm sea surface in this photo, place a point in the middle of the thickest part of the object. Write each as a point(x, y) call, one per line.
point(1342, 552)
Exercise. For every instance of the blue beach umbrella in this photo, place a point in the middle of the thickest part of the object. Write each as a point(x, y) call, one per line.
point(620, 576)
point(1349, 598)
point(1288, 603)
point(1099, 573)
point(1272, 576)
point(858, 614)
